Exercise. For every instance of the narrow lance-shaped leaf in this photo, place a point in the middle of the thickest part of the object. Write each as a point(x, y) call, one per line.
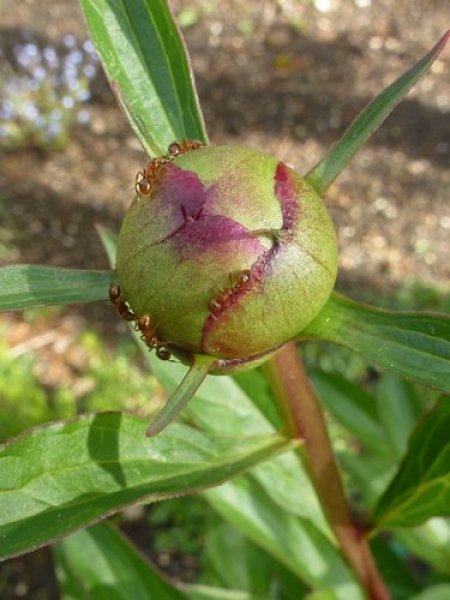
point(147, 65)
point(413, 345)
point(421, 488)
point(183, 394)
point(326, 171)
point(27, 286)
point(94, 466)
point(109, 242)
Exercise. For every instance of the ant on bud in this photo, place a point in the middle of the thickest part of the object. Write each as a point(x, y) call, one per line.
point(225, 298)
point(115, 295)
point(146, 179)
point(141, 324)
point(176, 149)
point(151, 340)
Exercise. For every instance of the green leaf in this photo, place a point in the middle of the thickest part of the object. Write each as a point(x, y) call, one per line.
point(27, 286)
point(183, 394)
point(256, 387)
point(99, 563)
point(352, 406)
point(399, 409)
point(64, 476)
point(222, 407)
point(235, 562)
point(324, 173)
point(421, 488)
point(370, 475)
point(440, 591)
point(146, 62)
point(231, 560)
point(430, 542)
point(413, 345)
point(294, 541)
point(206, 592)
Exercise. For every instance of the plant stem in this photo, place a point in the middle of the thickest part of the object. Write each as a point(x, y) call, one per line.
point(305, 421)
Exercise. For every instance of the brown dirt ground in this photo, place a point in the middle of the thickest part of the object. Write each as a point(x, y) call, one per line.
point(280, 75)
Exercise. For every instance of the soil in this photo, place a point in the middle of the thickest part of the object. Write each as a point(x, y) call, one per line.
point(286, 76)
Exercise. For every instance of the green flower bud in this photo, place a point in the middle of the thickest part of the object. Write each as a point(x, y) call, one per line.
point(224, 252)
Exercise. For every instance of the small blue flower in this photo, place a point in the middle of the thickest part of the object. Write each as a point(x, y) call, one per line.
point(51, 56)
point(69, 41)
point(88, 47)
point(41, 102)
point(29, 110)
point(75, 57)
point(89, 71)
point(53, 130)
point(83, 116)
point(40, 73)
point(83, 95)
point(68, 102)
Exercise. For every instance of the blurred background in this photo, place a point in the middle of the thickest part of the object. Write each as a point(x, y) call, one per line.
point(285, 76)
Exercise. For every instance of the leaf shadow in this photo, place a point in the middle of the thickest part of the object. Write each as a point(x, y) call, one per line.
point(103, 445)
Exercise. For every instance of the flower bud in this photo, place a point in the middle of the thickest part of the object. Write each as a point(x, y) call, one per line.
point(225, 252)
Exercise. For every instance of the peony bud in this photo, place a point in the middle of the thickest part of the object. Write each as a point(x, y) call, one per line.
point(224, 252)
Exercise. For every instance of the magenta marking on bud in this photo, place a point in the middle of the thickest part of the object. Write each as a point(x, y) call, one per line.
point(213, 232)
point(287, 195)
point(196, 229)
point(246, 281)
point(183, 192)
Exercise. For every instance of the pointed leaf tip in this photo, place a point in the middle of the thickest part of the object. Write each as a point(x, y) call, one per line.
point(327, 170)
point(182, 395)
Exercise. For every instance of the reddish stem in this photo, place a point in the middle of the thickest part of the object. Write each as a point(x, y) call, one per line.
point(304, 421)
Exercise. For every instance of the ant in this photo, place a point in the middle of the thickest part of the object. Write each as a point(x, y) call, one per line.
point(151, 340)
point(115, 295)
point(141, 324)
point(146, 178)
point(176, 149)
point(216, 305)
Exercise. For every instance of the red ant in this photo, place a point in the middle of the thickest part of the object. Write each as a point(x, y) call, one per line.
point(142, 324)
point(115, 295)
point(176, 149)
point(216, 305)
point(150, 338)
point(146, 178)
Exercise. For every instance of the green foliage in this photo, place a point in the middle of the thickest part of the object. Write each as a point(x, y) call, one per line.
point(413, 345)
point(148, 70)
point(23, 401)
point(114, 379)
point(98, 464)
point(274, 533)
point(421, 487)
point(27, 286)
point(100, 563)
